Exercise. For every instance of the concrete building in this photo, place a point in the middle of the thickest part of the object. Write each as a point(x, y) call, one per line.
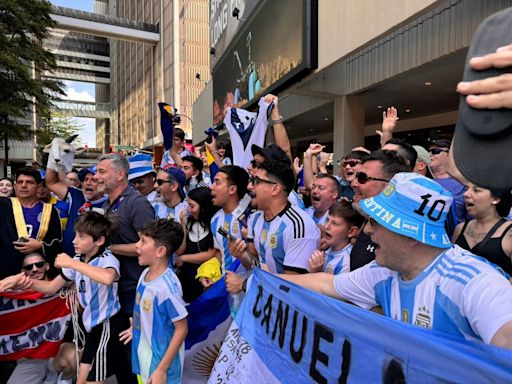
point(174, 70)
point(369, 55)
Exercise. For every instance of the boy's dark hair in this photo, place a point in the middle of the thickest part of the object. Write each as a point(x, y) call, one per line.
point(237, 176)
point(405, 150)
point(392, 162)
point(95, 225)
point(197, 163)
point(356, 155)
point(29, 171)
point(345, 210)
point(282, 172)
point(179, 133)
point(166, 233)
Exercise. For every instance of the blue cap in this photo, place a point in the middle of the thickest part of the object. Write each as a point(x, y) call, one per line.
point(176, 174)
point(414, 206)
point(140, 164)
point(84, 171)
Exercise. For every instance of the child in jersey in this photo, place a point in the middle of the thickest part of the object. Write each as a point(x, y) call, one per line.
point(342, 226)
point(95, 272)
point(159, 324)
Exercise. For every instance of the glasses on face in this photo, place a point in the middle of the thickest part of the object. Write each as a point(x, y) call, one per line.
point(161, 182)
point(352, 163)
point(437, 151)
point(255, 180)
point(137, 182)
point(39, 265)
point(363, 178)
point(255, 164)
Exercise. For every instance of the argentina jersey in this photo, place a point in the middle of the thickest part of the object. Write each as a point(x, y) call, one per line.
point(287, 241)
point(337, 262)
point(231, 225)
point(245, 129)
point(294, 198)
point(158, 305)
point(456, 294)
point(162, 211)
point(318, 220)
point(99, 301)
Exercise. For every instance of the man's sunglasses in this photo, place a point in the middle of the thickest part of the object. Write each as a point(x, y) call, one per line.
point(39, 264)
point(437, 151)
point(161, 182)
point(352, 163)
point(363, 178)
point(137, 182)
point(255, 164)
point(255, 180)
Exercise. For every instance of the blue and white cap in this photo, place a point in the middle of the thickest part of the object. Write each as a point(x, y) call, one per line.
point(414, 206)
point(140, 164)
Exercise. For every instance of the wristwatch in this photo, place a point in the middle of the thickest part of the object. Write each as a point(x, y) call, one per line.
point(278, 121)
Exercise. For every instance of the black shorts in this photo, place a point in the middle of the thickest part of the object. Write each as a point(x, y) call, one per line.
point(100, 347)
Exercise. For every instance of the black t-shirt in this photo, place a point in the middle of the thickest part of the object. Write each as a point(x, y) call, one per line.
point(363, 251)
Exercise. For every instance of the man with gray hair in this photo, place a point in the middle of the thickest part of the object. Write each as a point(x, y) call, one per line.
point(131, 211)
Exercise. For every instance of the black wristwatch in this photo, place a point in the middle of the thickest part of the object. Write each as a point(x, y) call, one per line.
point(244, 285)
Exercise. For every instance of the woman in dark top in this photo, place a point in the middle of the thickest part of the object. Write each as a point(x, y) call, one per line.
point(199, 242)
point(488, 235)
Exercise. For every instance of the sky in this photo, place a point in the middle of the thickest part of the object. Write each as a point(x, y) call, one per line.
point(78, 90)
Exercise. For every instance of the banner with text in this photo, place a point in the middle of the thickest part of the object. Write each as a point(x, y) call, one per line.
point(284, 332)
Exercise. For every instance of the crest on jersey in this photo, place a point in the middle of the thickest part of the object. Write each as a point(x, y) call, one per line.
point(273, 241)
point(146, 305)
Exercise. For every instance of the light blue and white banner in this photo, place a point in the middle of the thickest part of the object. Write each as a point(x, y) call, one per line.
point(285, 333)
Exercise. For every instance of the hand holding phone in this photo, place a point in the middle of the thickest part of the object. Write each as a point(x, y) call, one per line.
point(224, 233)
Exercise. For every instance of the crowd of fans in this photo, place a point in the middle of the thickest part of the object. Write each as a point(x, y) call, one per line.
point(392, 232)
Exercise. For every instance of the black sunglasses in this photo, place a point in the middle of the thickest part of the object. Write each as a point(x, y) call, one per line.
point(255, 164)
point(255, 180)
point(137, 182)
point(160, 182)
point(352, 163)
point(363, 178)
point(39, 264)
point(437, 151)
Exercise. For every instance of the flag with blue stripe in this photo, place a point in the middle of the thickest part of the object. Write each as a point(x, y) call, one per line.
point(285, 333)
point(167, 113)
point(208, 321)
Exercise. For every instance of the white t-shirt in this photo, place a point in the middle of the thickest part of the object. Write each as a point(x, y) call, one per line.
point(457, 293)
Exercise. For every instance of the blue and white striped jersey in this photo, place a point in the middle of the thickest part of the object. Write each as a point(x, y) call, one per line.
point(337, 262)
point(158, 305)
point(294, 198)
point(162, 211)
point(232, 225)
point(99, 301)
point(457, 294)
point(288, 240)
point(320, 220)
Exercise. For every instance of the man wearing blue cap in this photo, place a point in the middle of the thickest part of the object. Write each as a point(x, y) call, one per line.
point(77, 200)
point(142, 175)
point(170, 188)
point(418, 276)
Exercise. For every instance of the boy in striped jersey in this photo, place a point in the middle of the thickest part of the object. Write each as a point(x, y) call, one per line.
point(342, 226)
point(159, 324)
point(95, 272)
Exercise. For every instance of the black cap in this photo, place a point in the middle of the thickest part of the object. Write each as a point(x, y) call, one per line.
point(483, 138)
point(441, 143)
point(271, 152)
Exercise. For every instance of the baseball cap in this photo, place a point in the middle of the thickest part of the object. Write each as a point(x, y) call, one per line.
point(423, 156)
point(441, 143)
point(412, 205)
point(140, 164)
point(483, 138)
point(176, 174)
point(271, 152)
point(84, 171)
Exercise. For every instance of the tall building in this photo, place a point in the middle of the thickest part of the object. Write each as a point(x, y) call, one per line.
point(174, 70)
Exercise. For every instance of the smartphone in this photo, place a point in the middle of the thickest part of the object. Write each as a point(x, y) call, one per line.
point(22, 240)
point(224, 233)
